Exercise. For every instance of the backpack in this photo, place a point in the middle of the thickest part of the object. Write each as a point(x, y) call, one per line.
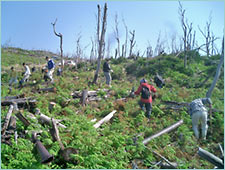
point(145, 92)
point(159, 81)
point(51, 64)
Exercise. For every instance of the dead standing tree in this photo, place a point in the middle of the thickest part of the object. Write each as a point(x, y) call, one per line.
point(209, 37)
point(116, 33)
point(101, 42)
point(132, 42)
point(124, 51)
point(149, 52)
point(209, 93)
point(61, 41)
point(187, 30)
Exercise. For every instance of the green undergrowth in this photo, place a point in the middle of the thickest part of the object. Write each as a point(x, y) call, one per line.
point(112, 146)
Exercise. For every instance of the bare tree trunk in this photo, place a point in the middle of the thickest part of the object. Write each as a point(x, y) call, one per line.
point(92, 50)
point(116, 32)
point(61, 42)
point(98, 26)
point(211, 158)
point(7, 118)
point(209, 93)
point(22, 119)
point(125, 44)
point(105, 119)
point(208, 37)
point(47, 120)
point(187, 29)
point(101, 44)
point(132, 42)
point(168, 129)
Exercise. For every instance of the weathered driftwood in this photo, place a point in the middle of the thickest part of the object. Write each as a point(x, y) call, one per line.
point(168, 129)
point(105, 119)
point(156, 153)
point(211, 158)
point(50, 89)
point(47, 120)
point(7, 118)
point(22, 119)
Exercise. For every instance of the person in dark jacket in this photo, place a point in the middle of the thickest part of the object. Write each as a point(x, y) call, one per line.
point(146, 100)
point(106, 70)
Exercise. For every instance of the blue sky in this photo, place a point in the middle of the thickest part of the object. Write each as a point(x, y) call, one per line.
point(28, 24)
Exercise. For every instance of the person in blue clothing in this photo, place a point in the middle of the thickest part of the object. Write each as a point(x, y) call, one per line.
point(51, 68)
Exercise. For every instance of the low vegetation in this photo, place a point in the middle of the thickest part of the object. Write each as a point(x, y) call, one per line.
point(112, 145)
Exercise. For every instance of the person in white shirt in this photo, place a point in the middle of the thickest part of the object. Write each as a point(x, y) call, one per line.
point(26, 74)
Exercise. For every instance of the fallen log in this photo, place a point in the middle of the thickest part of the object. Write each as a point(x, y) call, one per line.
point(165, 165)
point(21, 102)
point(156, 153)
point(51, 89)
point(221, 150)
point(168, 129)
point(7, 118)
point(14, 97)
point(183, 104)
point(44, 154)
point(47, 120)
point(22, 119)
point(12, 125)
point(64, 152)
point(105, 119)
point(210, 158)
point(55, 133)
point(94, 99)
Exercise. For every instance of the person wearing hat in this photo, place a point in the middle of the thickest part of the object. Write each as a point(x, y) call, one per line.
point(106, 70)
point(26, 74)
point(51, 67)
point(199, 113)
point(146, 97)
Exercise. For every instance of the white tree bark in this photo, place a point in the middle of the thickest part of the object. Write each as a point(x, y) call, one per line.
point(105, 119)
point(218, 70)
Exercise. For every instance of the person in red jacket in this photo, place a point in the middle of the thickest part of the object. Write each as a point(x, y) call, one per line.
point(146, 97)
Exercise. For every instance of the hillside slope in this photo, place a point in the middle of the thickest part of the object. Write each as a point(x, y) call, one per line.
point(112, 146)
